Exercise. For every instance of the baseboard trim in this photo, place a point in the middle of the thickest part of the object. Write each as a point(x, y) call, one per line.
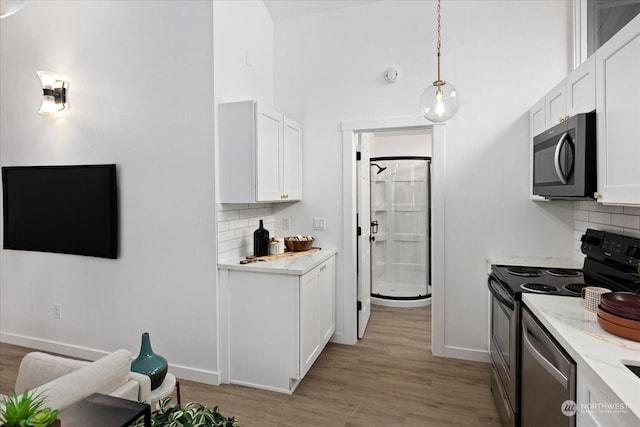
point(181, 372)
point(467, 354)
point(337, 338)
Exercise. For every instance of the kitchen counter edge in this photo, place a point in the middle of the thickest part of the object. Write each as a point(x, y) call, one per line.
point(296, 266)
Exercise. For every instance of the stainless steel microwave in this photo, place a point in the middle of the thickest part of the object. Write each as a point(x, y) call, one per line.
point(564, 159)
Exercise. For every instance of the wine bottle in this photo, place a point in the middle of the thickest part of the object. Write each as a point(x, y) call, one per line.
point(261, 241)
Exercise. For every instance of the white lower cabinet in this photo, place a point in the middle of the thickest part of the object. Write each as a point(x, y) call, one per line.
point(597, 405)
point(279, 324)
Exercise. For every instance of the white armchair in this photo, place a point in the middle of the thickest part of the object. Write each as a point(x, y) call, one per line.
point(65, 381)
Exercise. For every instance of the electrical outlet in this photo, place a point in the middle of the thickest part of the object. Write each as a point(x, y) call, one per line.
point(286, 223)
point(57, 311)
point(319, 223)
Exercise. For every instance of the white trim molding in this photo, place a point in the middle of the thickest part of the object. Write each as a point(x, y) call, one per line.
point(183, 372)
point(580, 36)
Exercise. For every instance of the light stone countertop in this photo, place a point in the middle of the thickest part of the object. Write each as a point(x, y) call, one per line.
point(577, 330)
point(298, 265)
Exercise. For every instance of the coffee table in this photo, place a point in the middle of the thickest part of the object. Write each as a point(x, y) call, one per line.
point(100, 410)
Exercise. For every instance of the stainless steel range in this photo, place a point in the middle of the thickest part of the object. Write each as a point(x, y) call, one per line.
point(611, 260)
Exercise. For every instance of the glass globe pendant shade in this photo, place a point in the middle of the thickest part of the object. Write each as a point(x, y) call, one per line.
point(9, 7)
point(439, 101)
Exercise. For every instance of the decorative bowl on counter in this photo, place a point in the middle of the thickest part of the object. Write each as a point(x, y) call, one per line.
point(619, 326)
point(622, 304)
point(298, 243)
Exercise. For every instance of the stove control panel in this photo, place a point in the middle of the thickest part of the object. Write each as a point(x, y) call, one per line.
point(601, 245)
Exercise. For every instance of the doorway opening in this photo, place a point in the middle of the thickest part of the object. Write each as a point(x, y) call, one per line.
point(393, 206)
point(349, 303)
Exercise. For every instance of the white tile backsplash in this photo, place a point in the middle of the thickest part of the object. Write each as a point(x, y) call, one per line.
point(624, 220)
point(236, 224)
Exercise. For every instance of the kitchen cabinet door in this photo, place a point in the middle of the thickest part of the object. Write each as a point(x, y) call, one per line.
point(618, 117)
point(580, 88)
point(317, 312)
point(292, 160)
point(597, 405)
point(268, 158)
point(556, 105)
point(326, 301)
point(309, 320)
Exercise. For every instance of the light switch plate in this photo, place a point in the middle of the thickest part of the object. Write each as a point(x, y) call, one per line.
point(319, 224)
point(286, 223)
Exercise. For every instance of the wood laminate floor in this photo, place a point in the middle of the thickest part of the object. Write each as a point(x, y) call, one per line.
point(387, 379)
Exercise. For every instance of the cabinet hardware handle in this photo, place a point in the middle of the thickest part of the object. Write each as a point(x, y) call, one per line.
point(324, 267)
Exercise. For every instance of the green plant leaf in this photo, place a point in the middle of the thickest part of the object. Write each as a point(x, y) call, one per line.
point(18, 408)
point(190, 414)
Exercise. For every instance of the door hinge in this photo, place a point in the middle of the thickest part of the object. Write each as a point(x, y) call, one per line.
point(359, 305)
point(358, 156)
point(359, 231)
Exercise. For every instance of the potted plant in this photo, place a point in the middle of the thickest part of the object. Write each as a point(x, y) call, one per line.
point(188, 415)
point(27, 410)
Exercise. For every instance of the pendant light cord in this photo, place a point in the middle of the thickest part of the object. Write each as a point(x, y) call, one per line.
point(439, 41)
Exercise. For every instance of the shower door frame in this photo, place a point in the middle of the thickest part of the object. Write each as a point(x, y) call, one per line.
point(427, 159)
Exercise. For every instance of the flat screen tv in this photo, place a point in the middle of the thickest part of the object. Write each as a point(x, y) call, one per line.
point(62, 209)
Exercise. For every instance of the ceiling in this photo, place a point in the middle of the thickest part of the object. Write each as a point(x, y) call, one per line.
point(283, 9)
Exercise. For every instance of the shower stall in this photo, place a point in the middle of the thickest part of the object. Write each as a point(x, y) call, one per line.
point(400, 229)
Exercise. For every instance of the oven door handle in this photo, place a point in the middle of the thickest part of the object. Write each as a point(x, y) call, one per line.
point(495, 291)
point(556, 158)
point(548, 366)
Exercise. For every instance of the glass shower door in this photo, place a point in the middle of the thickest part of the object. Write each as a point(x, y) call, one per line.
point(400, 224)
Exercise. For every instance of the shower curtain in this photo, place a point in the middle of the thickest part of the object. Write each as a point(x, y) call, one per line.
point(400, 218)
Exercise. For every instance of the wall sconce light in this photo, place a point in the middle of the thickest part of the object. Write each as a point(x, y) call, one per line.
point(54, 93)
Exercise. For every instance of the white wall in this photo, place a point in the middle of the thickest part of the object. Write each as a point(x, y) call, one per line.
point(243, 64)
point(141, 96)
point(502, 57)
point(415, 142)
point(243, 49)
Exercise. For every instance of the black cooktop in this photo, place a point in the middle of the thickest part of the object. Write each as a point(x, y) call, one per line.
point(611, 261)
point(554, 281)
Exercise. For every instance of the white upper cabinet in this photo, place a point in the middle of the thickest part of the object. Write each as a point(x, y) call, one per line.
point(260, 155)
point(575, 94)
point(580, 89)
point(618, 117)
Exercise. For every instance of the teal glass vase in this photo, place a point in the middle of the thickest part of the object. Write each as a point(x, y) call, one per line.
point(150, 364)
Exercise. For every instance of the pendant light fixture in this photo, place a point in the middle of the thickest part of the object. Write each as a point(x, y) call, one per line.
point(440, 100)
